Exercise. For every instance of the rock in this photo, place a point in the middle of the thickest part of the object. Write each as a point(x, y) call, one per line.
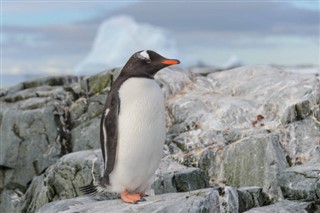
point(43, 81)
point(85, 118)
point(190, 179)
point(301, 182)
point(84, 110)
point(33, 133)
point(272, 110)
point(86, 136)
point(287, 206)
point(62, 180)
point(203, 200)
point(78, 108)
point(197, 201)
point(204, 71)
point(301, 141)
point(29, 144)
point(74, 170)
point(250, 197)
point(10, 200)
point(97, 83)
point(251, 161)
point(254, 161)
point(185, 180)
point(231, 101)
point(173, 80)
point(242, 127)
point(51, 81)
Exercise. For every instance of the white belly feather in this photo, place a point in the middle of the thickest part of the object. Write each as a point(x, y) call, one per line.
point(141, 135)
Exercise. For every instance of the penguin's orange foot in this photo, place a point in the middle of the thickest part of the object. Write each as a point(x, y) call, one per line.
point(131, 198)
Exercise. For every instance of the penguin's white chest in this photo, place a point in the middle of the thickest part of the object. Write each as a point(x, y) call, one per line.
point(141, 135)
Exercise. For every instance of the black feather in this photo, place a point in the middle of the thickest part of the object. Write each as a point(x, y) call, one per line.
point(90, 189)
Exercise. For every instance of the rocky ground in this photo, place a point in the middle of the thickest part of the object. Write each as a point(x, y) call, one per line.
point(240, 140)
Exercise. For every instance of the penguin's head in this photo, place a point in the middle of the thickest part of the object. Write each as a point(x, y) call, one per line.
point(146, 63)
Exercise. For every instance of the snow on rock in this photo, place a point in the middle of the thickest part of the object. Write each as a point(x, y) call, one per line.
point(118, 38)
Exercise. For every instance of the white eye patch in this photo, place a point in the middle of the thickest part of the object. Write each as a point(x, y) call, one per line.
point(144, 56)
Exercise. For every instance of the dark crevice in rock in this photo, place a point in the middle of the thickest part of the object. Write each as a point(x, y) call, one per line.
point(180, 145)
point(36, 167)
point(63, 121)
point(312, 208)
point(16, 131)
point(173, 182)
point(289, 161)
point(75, 94)
point(302, 110)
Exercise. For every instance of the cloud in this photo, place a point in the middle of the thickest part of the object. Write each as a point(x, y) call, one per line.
point(44, 41)
point(256, 31)
point(40, 12)
point(38, 36)
point(237, 16)
point(205, 27)
point(45, 49)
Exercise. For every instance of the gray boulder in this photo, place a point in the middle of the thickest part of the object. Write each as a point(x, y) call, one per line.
point(28, 144)
point(226, 106)
point(97, 83)
point(85, 112)
point(301, 141)
point(63, 179)
point(287, 206)
point(203, 200)
point(251, 161)
point(206, 200)
point(244, 126)
point(185, 180)
point(250, 197)
point(239, 127)
point(86, 135)
point(33, 133)
point(301, 182)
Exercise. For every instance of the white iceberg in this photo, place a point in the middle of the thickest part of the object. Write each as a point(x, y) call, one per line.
point(118, 38)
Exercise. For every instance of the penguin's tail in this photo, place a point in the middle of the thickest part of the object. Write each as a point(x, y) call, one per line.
point(95, 188)
point(90, 189)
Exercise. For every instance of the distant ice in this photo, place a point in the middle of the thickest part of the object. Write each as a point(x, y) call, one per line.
point(233, 61)
point(118, 38)
point(121, 36)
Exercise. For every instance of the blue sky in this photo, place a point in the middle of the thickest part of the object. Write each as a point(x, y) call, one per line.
point(52, 37)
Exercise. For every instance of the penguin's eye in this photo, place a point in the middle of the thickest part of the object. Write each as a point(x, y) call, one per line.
point(148, 60)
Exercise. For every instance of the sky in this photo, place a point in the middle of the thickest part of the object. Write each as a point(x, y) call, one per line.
point(52, 37)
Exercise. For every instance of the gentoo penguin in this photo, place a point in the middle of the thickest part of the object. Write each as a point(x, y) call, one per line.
point(132, 128)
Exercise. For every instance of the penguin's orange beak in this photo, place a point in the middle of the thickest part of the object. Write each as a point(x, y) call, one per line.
point(170, 61)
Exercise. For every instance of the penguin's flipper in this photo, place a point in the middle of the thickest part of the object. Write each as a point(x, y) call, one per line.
point(109, 135)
